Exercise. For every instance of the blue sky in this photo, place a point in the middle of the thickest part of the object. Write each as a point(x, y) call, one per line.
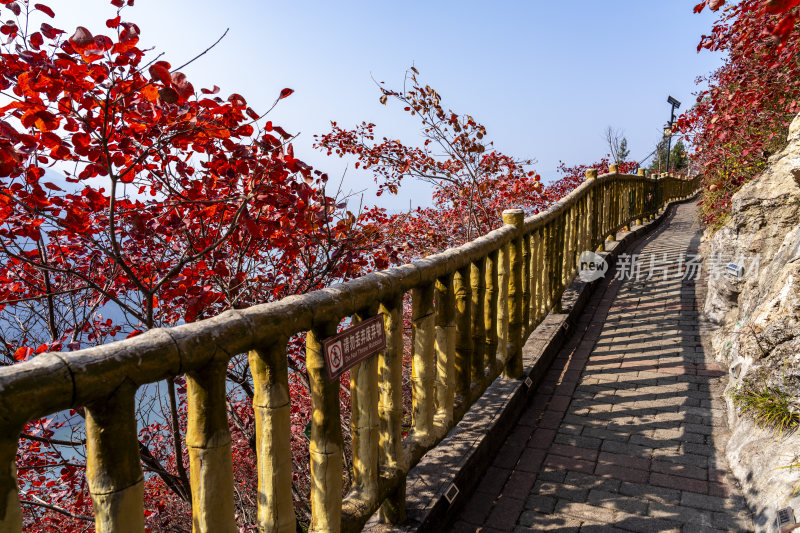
point(545, 78)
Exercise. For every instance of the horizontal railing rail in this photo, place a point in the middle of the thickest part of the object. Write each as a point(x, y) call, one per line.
point(472, 308)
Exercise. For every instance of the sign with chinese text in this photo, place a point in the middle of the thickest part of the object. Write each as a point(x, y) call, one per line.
point(345, 350)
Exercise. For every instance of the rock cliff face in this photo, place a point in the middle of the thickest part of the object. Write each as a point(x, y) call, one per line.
point(757, 321)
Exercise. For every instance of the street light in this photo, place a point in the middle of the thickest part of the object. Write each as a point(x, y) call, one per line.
point(668, 130)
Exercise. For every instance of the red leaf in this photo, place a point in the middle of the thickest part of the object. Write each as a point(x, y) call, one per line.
point(33, 174)
point(252, 227)
point(10, 29)
point(237, 100)
point(160, 71)
point(44, 120)
point(780, 6)
point(699, 7)
point(245, 131)
point(113, 23)
point(281, 132)
point(184, 88)
point(44, 9)
point(785, 27)
point(9, 159)
point(129, 34)
point(252, 114)
point(215, 90)
point(36, 40)
point(285, 93)
point(117, 3)
point(81, 38)
point(49, 31)
point(168, 95)
point(22, 353)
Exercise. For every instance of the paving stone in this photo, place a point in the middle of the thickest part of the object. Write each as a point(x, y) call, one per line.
point(549, 473)
point(569, 463)
point(591, 481)
point(477, 508)
point(611, 500)
point(587, 527)
point(732, 522)
point(509, 454)
point(519, 485)
point(493, 480)
point(542, 438)
point(640, 524)
point(672, 434)
point(461, 526)
point(571, 429)
point(626, 449)
point(584, 511)
point(679, 513)
point(573, 452)
point(589, 443)
point(540, 503)
point(622, 473)
point(624, 460)
point(606, 434)
point(676, 469)
point(702, 501)
point(651, 492)
point(531, 460)
point(505, 513)
point(721, 490)
point(677, 482)
point(549, 522)
point(560, 490)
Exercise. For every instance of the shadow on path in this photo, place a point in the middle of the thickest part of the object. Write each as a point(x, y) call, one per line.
point(627, 430)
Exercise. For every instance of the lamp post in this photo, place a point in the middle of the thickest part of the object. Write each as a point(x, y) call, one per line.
point(668, 130)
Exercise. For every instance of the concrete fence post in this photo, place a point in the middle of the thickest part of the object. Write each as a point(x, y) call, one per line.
point(515, 217)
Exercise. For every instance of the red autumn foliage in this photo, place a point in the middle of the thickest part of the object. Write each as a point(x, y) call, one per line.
point(472, 182)
point(744, 115)
point(177, 205)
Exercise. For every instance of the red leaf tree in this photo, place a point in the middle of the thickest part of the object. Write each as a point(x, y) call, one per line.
point(177, 204)
point(743, 116)
point(472, 182)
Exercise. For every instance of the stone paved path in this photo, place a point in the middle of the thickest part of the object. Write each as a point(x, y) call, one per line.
point(626, 432)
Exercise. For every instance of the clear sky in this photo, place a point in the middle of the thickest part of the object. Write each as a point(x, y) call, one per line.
point(545, 78)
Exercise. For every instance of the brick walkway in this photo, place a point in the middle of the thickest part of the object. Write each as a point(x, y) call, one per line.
point(626, 432)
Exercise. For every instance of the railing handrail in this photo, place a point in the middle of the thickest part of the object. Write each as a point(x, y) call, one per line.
point(162, 350)
point(55, 381)
point(159, 353)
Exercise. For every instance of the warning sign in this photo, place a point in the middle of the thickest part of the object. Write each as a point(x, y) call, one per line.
point(348, 348)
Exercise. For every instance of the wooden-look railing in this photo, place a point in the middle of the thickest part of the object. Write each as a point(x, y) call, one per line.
point(472, 308)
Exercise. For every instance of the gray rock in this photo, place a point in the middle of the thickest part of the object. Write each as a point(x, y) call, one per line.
point(756, 320)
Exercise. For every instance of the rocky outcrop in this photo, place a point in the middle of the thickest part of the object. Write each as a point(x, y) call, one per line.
point(756, 315)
